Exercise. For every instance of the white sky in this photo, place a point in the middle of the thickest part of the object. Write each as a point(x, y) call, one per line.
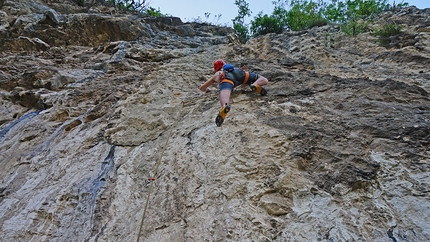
point(190, 10)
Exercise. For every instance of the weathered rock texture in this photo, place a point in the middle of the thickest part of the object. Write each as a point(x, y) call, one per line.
point(94, 102)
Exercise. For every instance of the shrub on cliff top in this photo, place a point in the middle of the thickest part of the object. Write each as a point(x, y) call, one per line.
point(239, 21)
point(134, 5)
point(137, 5)
point(386, 31)
point(304, 14)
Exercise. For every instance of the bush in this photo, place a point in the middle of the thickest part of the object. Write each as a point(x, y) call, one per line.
point(242, 31)
point(304, 14)
point(355, 27)
point(239, 20)
point(153, 12)
point(137, 5)
point(275, 23)
point(334, 12)
point(264, 24)
point(386, 31)
point(317, 22)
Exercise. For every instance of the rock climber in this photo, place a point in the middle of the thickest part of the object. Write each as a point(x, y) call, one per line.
point(229, 77)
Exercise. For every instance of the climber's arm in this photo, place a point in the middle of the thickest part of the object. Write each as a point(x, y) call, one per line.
point(205, 86)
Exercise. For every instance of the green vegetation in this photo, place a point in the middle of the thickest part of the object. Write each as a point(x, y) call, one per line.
point(140, 6)
point(263, 24)
point(351, 14)
point(355, 27)
point(354, 16)
point(386, 31)
point(304, 15)
point(136, 5)
point(154, 12)
point(239, 20)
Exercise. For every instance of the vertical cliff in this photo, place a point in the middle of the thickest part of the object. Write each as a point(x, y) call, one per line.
point(95, 103)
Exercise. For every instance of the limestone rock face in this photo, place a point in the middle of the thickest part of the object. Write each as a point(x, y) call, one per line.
point(105, 136)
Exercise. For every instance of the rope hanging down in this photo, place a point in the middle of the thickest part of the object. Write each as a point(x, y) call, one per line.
point(184, 102)
point(156, 170)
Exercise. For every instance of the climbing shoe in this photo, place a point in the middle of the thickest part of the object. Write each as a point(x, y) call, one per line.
point(258, 89)
point(221, 116)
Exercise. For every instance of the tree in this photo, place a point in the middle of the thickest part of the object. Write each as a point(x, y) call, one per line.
point(239, 20)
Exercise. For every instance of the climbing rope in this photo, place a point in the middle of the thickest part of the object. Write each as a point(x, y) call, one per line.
point(152, 179)
point(156, 170)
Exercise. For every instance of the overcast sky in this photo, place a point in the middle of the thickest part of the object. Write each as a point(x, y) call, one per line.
point(190, 10)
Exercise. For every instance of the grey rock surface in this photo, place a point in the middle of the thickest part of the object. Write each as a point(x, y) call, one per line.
point(95, 103)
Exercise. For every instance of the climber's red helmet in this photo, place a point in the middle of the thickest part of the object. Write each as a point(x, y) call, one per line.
point(218, 64)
